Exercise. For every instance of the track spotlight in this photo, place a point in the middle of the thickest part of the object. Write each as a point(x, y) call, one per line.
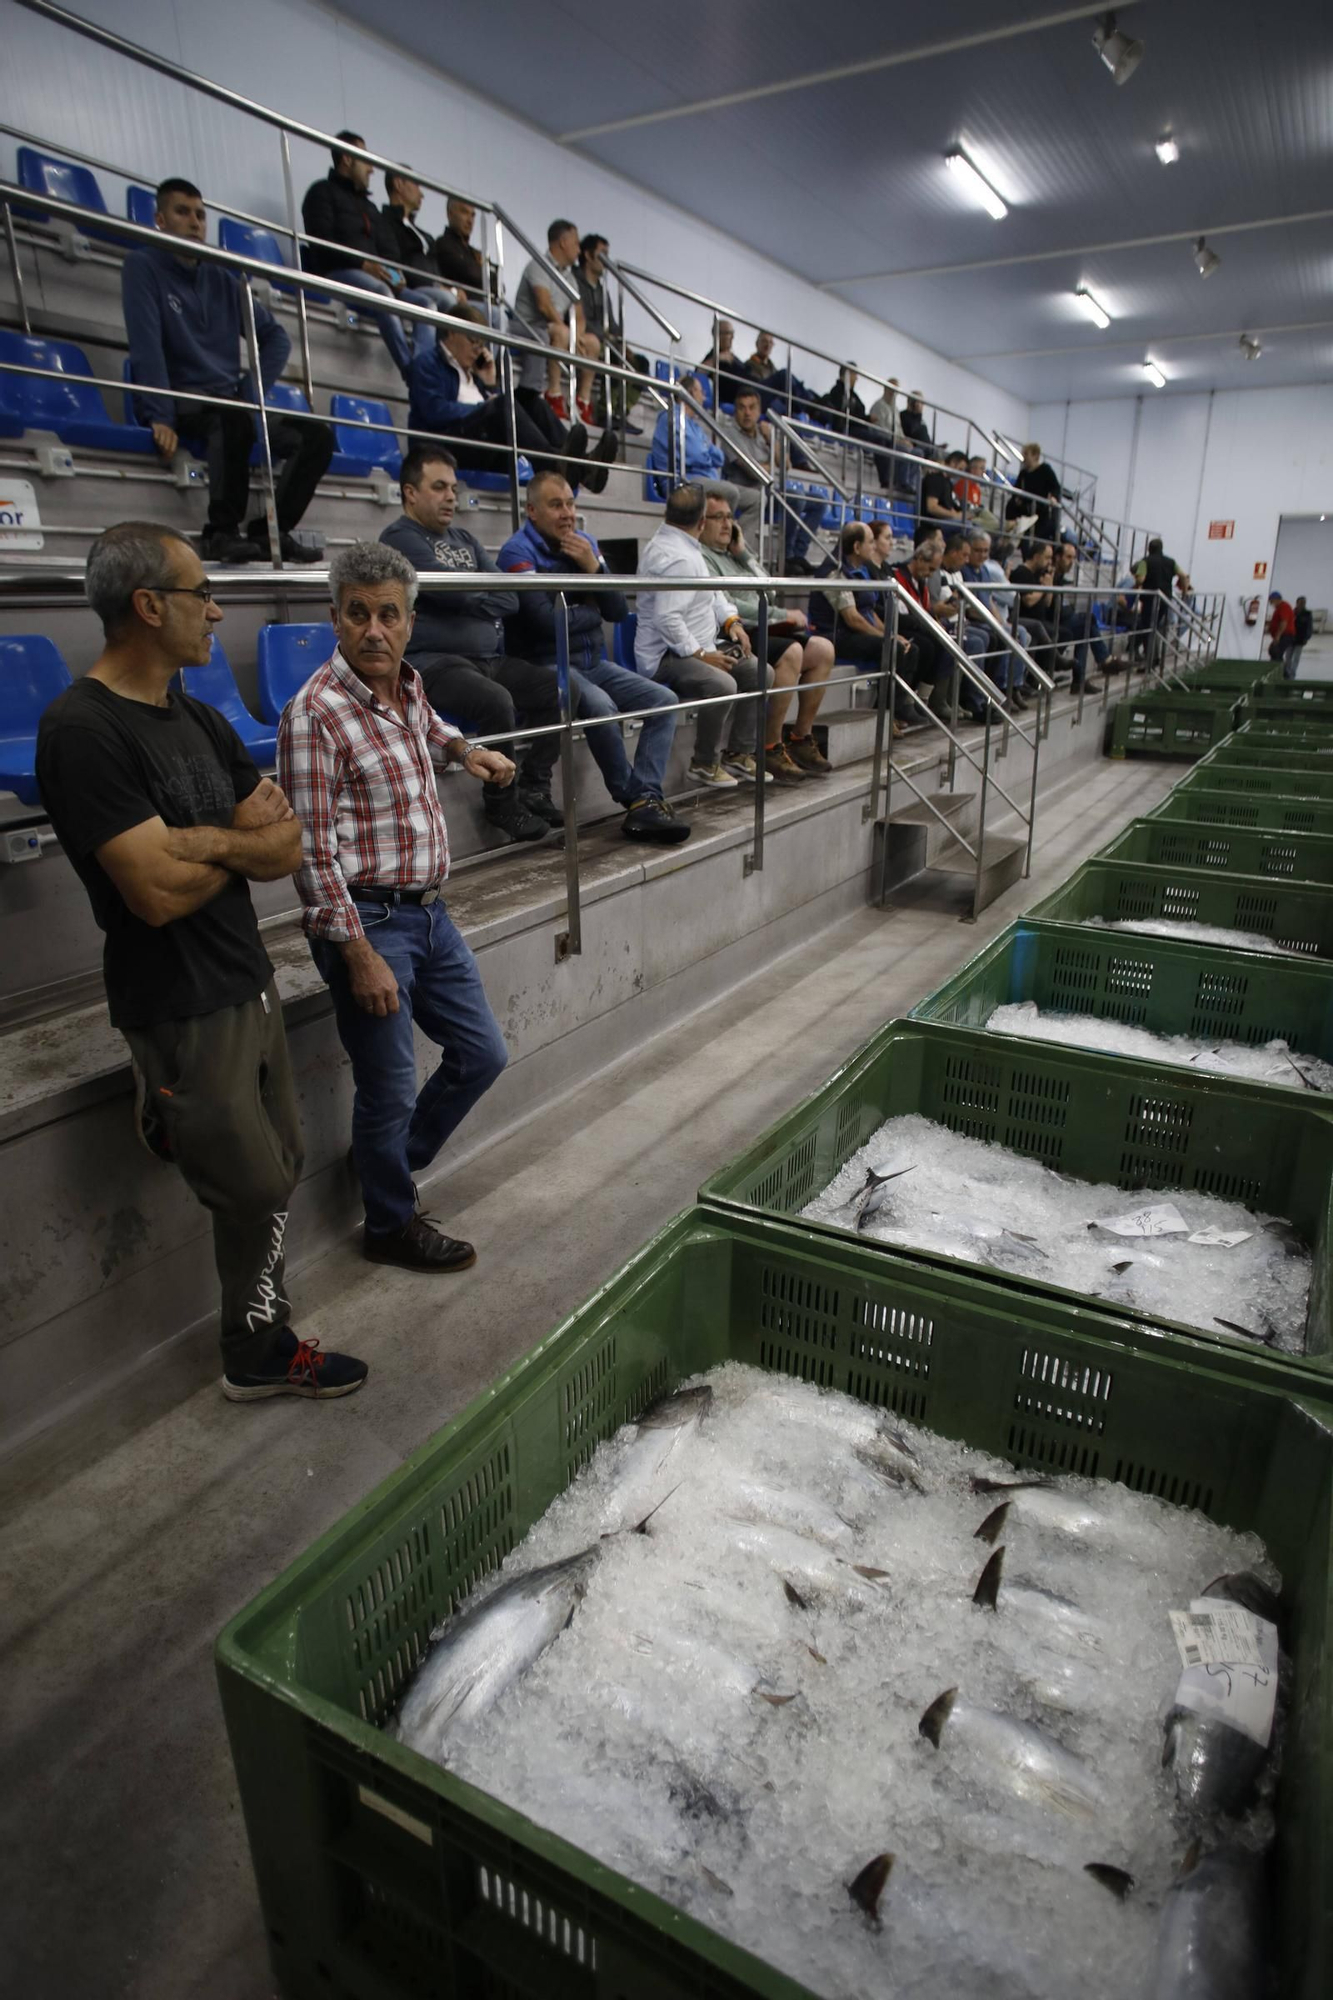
point(1121, 53)
point(1168, 152)
point(1250, 347)
point(1096, 312)
point(1206, 259)
point(976, 183)
point(1154, 374)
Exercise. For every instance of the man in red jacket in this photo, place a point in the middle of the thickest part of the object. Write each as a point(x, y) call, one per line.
point(1281, 626)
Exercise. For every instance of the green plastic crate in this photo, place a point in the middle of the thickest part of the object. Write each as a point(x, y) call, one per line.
point(1255, 780)
point(1242, 675)
point(1297, 916)
point(1270, 753)
point(1162, 984)
point(1276, 811)
point(1170, 723)
point(1294, 857)
point(383, 1878)
point(1281, 699)
point(1108, 1119)
point(1299, 732)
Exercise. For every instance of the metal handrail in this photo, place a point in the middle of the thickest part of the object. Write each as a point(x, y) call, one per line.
point(968, 594)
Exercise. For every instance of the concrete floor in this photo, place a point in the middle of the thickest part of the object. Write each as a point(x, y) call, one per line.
point(130, 1540)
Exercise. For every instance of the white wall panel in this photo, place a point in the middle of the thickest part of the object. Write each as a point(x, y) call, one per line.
point(314, 65)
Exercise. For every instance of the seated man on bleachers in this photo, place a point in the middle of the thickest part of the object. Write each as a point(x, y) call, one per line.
point(184, 321)
point(358, 247)
point(795, 654)
point(934, 666)
point(703, 458)
point(854, 620)
point(977, 640)
point(731, 370)
point(939, 503)
point(748, 431)
point(452, 391)
point(457, 646)
point(695, 643)
point(543, 312)
point(1077, 624)
point(413, 248)
point(549, 542)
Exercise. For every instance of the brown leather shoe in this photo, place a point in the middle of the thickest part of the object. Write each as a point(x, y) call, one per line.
point(807, 755)
point(420, 1246)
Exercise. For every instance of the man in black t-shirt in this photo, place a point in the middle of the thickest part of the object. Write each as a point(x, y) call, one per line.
point(164, 817)
point(939, 502)
point(1161, 573)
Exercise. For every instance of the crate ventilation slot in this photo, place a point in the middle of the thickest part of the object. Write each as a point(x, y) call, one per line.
point(1179, 899)
point(1228, 1187)
point(902, 1399)
point(535, 1914)
point(1159, 1123)
point(588, 1399)
point(1164, 1485)
point(1256, 913)
point(797, 1361)
point(892, 1336)
point(1129, 975)
point(847, 1135)
point(1222, 994)
point(798, 1308)
point(1278, 861)
point(1076, 1394)
point(1074, 971)
point(389, 1615)
point(1051, 1454)
point(652, 1386)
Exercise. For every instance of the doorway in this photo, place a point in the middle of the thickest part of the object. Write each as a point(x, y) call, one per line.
point(1303, 567)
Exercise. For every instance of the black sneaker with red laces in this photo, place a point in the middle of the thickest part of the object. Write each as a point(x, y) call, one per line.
point(295, 1368)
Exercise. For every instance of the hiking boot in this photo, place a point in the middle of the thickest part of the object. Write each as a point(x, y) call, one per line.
point(653, 819)
point(780, 766)
point(606, 451)
point(418, 1246)
point(575, 447)
point(713, 777)
point(295, 1368)
point(504, 808)
point(807, 755)
point(538, 800)
point(1088, 687)
point(226, 545)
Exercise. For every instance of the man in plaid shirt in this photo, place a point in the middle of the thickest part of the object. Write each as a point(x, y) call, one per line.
point(357, 750)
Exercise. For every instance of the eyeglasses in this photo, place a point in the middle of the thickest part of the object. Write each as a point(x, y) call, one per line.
point(199, 590)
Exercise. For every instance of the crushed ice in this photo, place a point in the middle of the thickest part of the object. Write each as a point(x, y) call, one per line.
point(1273, 1062)
point(1193, 933)
point(731, 1717)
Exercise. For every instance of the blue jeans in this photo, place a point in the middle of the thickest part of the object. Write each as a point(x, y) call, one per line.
point(606, 689)
point(389, 324)
point(979, 642)
point(1085, 636)
point(397, 1130)
point(798, 533)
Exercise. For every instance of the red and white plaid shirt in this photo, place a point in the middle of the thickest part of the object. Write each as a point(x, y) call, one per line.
point(362, 784)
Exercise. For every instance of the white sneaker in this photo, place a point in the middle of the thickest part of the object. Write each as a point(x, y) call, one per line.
point(714, 776)
point(742, 767)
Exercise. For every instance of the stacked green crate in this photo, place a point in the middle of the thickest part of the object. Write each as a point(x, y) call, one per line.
point(1239, 850)
point(1172, 722)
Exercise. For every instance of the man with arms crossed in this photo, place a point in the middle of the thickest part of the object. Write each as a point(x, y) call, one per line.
point(164, 817)
point(358, 747)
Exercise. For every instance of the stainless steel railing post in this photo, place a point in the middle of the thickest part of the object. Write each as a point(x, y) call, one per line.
point(569, 942)
point(261, 425)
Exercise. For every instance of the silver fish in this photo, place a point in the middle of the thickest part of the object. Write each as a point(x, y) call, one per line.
point(1030, 1764)
point(644, 1472)
point(1217, 1768)
point(867, 1432)
point(867, 1886)
point(796, 1557)
point(1045, 1611)
point(1046, 1506)
point(1210, 1940)
point(484, 1648)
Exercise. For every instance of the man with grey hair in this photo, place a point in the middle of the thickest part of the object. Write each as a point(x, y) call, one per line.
point(164, 818)
point(358, 748)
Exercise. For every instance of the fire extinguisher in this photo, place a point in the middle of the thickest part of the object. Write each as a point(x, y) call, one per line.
point(1251, 611)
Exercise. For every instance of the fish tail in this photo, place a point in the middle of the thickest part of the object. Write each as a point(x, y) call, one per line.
point(988, 1584)
point(993, 1525)
point(932, 1722)
point(868, 1886)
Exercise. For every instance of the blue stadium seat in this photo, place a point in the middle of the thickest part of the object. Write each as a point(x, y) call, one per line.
point(11, 413)
point(141, 206)
point(496, 482)
point(286, 396)
point(216, 684)
point(243, 239)
point(622, 642)
point(73, 409)
point(62, 180)
point(287, 656)
point(372, 450)
point(32, 674)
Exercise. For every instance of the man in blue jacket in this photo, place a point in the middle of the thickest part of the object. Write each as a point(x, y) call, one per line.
point(549, 542)
point(184, 319)
point(451, 390)
point(704, 457)
point(457, 646)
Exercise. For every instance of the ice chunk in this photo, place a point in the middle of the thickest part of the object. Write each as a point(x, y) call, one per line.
point(1274, 1062)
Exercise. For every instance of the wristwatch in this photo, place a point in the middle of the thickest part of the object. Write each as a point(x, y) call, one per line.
point(468, 747)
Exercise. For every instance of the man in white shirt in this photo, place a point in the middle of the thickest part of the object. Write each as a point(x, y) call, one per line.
point(693, 642)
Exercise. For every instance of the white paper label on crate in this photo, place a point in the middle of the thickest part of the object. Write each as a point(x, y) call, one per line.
point(1163, 1219)
point(1230, 1659)
point(1221, 1239)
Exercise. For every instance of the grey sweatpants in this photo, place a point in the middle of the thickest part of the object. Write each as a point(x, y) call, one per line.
point(692, 679)
point(220, 1104)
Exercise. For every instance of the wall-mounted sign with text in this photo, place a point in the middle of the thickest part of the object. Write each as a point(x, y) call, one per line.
point(20, 518)
point(1221, 531)
point(1260, 572)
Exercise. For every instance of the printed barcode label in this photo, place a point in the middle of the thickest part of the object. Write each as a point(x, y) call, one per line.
point(1230, 1662)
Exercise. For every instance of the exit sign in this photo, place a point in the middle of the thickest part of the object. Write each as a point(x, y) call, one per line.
point(1221, 531)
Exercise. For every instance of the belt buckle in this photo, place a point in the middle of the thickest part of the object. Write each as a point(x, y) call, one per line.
point(429, 896)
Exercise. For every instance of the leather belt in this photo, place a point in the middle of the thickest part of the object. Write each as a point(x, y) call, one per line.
point(425, 897)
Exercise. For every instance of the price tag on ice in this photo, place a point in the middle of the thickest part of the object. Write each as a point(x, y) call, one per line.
point(1221, 1239)
point(1230, 1665)
point(1161, 1220)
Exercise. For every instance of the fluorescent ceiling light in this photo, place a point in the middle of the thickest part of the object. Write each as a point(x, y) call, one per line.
point(1168, 152)
point(1121, 53)
point(975, 181)
point(1095, 311)
point(1154, 374)
point(1206, 259)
